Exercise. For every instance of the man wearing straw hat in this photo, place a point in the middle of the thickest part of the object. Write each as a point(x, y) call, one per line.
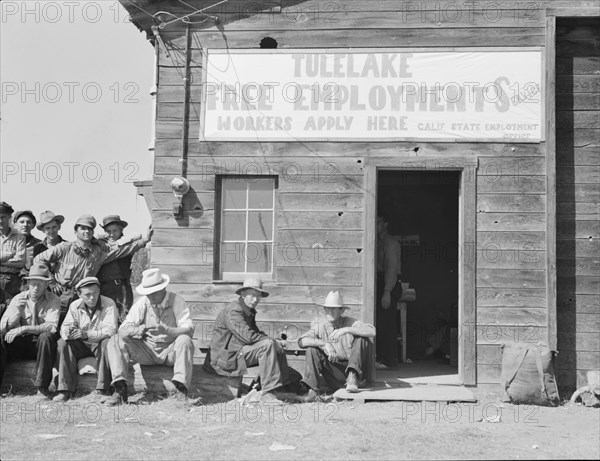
point(158, 330)
point(28, 327)
point(237, 343)
point(338, 347)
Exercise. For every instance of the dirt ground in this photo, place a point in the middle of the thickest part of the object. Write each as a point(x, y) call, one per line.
point(164, 429)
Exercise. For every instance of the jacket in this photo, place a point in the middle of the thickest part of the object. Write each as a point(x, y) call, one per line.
point(235, 327)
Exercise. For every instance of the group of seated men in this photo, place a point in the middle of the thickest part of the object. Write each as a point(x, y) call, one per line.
point(76, 303)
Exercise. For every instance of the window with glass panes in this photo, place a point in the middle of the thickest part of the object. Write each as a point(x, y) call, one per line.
point(247, 222)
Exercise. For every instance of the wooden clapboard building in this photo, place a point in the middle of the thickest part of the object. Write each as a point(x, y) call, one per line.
point(500, 219)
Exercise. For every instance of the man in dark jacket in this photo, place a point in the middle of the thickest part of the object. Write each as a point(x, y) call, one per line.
point(114, 275)
point(237, 343)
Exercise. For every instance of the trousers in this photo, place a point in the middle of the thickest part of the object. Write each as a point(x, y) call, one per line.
point(179, 354)
point(42, 348)
point(273, 368)
point(70, 351)
point(334, 373)
point(387, 327)
point(121, 293)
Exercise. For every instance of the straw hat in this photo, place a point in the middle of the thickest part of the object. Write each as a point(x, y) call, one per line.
point(334, 299)
point(152, 281)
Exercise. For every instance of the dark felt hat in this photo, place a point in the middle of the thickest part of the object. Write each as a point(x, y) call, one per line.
point(113, 218)
point(6, 208)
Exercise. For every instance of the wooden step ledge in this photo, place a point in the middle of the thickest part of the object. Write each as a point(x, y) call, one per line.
point(156, 379)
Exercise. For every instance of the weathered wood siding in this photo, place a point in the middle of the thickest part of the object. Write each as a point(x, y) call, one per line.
point(578, 199)
point(329, 207)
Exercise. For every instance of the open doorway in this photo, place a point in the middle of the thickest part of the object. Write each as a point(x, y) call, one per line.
point(422, 210)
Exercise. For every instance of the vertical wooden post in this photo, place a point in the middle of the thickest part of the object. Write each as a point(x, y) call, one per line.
point(550, 112)
point(467, 360)
point(369, 247)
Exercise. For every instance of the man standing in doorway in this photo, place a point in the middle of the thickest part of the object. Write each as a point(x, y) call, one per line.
point(389, 291)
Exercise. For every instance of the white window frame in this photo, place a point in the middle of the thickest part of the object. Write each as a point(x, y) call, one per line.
point(220, 241)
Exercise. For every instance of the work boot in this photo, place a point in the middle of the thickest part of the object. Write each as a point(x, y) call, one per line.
point(42, 394)
point(98, 395)
point(179, 393)
point(270, 398)
point(352, 382)
point(62, 396)
point(310, 396)
point(120, 395)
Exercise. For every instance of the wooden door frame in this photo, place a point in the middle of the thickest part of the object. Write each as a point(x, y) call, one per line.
point(467, 166)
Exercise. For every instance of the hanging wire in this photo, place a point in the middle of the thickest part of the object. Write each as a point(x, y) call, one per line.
point(201, 11)
point(139, 8)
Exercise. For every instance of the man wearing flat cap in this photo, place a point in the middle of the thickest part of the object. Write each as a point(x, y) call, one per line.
point(238, 343)
point(338, 348)
point(90, 322)
point(50, 224)
point(74, 261)
point(28, 328)
point(12, 257)
point(158, 330)
point(114, 275)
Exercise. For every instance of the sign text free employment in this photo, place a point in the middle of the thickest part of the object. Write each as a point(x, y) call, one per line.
point(449, 95)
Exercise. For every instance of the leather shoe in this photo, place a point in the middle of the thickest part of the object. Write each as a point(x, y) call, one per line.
point(62, 396)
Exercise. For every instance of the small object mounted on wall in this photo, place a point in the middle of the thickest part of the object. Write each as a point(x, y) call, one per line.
point(180, 187)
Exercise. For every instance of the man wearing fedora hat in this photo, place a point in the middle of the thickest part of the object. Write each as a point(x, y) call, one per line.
point(12, 257)
point(158, 330)
point(90, 322)
point(114, 275)
point(73, 261)
point(337, 347)
point(50, 224)
point(237, 343)
point(28, 327)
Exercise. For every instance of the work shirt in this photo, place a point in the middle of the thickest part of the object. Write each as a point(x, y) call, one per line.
point(172, 311)
point(12, 252)
point(23, 311)
point(322, 329)
point(43, 245)
point(388, 260)
point(70, 267)
point(102, 323)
